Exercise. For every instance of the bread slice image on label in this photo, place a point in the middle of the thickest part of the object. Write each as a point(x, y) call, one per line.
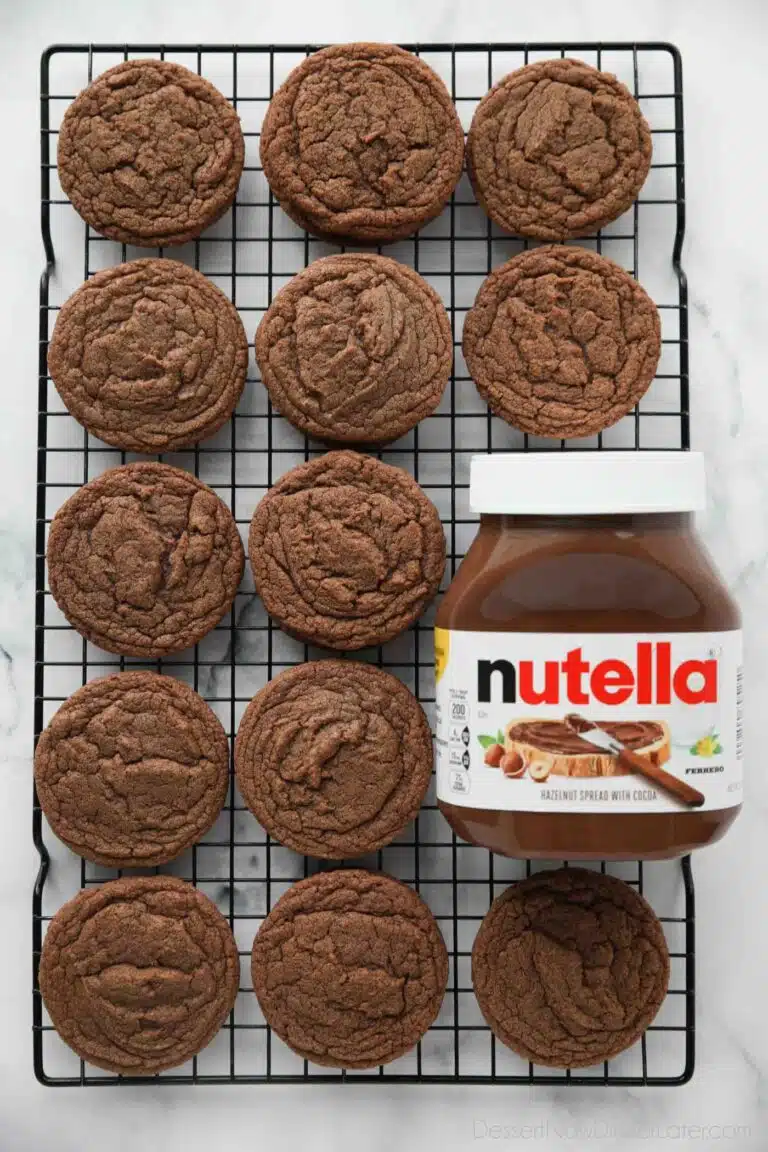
point(567, 754)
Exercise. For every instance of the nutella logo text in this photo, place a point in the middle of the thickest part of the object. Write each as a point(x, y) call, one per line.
point(650, 679)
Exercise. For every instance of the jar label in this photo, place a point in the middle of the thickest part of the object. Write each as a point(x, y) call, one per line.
point(559, 722)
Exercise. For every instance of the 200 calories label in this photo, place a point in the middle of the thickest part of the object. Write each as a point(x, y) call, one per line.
point(600, 723)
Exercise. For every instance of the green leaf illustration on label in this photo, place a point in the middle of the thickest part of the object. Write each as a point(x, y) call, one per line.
point(708, 745)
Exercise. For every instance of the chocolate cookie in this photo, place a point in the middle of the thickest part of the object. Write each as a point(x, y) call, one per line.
point(139, 974)
point(362, 141)
point(144, 560)
point(132, 770)
point(150, 153)
point(557, 149)
point(334, 758)
point(570, 967)
point(346, 551)
point(562, 342)
point(355, 349)
point(149, 356)
point(350, 968)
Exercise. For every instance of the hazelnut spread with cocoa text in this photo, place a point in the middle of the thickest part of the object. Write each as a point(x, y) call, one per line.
point(588, 663)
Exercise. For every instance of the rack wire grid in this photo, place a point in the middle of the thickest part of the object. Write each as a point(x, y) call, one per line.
point(251, 253)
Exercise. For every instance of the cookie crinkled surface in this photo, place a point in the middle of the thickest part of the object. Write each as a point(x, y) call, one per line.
point(356, 349)
point(346, 551)
point(334, 758)
point(132, 770)
point(570, 967)
point(139, 974)
point(557, 149)
point(562, 342)
point(150, 153)
point(150, 356)
point(350, 968)
point(144, 560)
point(362, 141)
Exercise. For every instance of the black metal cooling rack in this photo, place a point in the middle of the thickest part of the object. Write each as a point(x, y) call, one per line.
point(250, 253)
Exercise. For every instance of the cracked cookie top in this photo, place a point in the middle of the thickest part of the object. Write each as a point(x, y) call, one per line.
point(350, 968)
point(346, 551)
point(557, 149)
point(362, 141)
point(334, 758)
point(132, 770)
point(356, 349)
point(570, 967)
point(139, 974)
point(150, 153)
point(149, 356)
point(144, 560)
point(562, 342)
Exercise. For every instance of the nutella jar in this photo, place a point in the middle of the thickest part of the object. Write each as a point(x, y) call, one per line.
point(588, 663)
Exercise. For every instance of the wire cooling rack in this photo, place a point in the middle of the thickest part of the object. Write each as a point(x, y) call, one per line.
point(250, 254)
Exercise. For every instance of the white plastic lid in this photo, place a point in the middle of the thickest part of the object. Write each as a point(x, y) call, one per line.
point(579, 483)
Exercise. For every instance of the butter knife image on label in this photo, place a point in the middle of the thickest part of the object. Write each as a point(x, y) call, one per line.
point(675, 787)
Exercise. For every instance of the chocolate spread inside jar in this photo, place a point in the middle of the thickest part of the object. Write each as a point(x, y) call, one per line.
point(586, 592)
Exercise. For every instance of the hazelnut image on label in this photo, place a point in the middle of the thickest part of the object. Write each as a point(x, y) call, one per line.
point(494, 756)
point(513, 765)
point(539, 770)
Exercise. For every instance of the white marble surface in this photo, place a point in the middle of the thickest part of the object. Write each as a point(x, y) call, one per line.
point(724, 47)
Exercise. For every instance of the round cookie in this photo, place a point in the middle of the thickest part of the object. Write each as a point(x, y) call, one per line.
point(334, 758)
point(144, 560)
point(150, 153)
point(350, 968)
point(562, 342)
point(570, 967)
point(557, 149)
point(362, 141)
point(132, 770)
point(139, 974)
point(346, 551)
point(356, 349)
point(149, 356)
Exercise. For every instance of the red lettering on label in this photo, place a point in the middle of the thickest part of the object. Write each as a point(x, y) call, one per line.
point(612, 682)
point(663, 673)
point(550, 694)
point(575, 668)
point(644, 673)
point(704, 690)
point(651, 679)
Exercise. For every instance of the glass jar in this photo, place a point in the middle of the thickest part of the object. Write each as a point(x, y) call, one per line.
point(588, 663)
